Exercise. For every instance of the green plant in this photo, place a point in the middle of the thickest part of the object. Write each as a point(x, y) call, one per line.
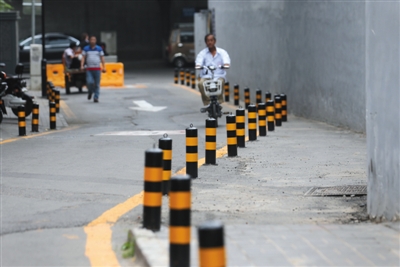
point(4, 6)
point(128, 247)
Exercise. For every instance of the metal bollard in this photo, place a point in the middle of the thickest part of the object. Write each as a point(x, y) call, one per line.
point(191, 151)
point(53, 95)
point(182, 76)
point(57, 100)
point(231, 135)
point(165, 143)
point(176, 73)
point(53, 118)
point(35, 117)
point(252, 122)
point(262, 123)
point(193, 78)
point(226, 91)
point(187, 77)
point(179, 221)
point(278, 110)
point(236, 94)
point(211, 141)
point(258, 97)
point(246, 98)
point(267, 97)
point(240, 127)
point(284, 107)
point(152, 199)
point(211, 244)
point(271, 115)
point(21, 121)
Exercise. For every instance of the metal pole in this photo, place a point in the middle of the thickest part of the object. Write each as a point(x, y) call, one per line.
point(33, 21)
point(44, 75)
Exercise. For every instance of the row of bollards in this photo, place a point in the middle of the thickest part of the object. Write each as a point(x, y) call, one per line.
point(22, 120)
point(185, 77)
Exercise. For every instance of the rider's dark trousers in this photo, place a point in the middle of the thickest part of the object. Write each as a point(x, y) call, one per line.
point(206, 99)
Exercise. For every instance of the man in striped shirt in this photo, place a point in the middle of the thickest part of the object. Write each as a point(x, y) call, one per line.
point(93, 57)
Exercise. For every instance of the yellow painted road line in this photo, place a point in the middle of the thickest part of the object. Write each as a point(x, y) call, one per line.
point(36, 135)
point(68, 112)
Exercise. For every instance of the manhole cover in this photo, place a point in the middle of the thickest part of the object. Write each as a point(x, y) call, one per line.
point(348, 190)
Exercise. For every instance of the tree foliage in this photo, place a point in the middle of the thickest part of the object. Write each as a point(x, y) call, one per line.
point(5, 5)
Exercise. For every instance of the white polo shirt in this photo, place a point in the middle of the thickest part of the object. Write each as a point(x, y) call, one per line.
point(205, 58)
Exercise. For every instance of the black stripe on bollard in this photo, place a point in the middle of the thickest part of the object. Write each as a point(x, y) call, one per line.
point(53, 118)
point(165, 143)
point(211, 141)
point(21, 121)
point(211, 244)
point(187, 77)
point(284, 107)
point(241, 127)
point(278, 110)
point(226, 91)
point(179, 221)
point(35, 117)
point(246, 97)
point(191, 151)
point(258, 97)
point(231, 135)
point(262, 123)
point(252, 122)
point(267, 97)
point(176, 74)
point(152, 198)
point(270, 115)
point(193, 78)
point(182, 76)
point(57, 100)
point(53, 95)
point(236, 94)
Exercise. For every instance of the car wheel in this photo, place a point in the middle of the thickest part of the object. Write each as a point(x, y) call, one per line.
point(28, 106)
point(179, 62)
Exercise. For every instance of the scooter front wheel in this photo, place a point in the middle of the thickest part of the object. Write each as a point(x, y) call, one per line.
point(28, 106)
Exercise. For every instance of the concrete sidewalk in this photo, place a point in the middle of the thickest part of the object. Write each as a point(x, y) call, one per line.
point(260, 198)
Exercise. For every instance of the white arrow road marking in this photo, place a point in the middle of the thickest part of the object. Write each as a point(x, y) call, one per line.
point(143, 105)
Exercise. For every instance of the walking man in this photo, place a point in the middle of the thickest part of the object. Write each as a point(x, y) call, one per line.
point(93, 57)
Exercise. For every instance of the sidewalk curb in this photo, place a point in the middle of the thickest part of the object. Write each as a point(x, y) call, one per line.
point(150, 250)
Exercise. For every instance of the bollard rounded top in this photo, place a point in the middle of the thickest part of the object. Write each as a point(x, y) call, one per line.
point(180, 182)
point(153, 157)
point(211, 234)
point(21, 108)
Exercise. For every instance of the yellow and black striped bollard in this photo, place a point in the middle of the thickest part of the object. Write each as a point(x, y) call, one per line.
point(21, 121)
point(226, 91)
point(53, 95)
point(262, 119)
point(252, 122)
point(152, 199)
point(278, 110)
point(187, 77)
point(246, 97)
point(211, 244)
point(193, 78)
point(267, 97)
point(57, 100)
point(176, 74)
point(182, 76)
point(211, 141)
point(236, 94)
point(258, 97)
point(179, 221)
point(270, 115)
point(191, 151)
point(241, 127)
point(35, 117)
point(231, 135)
point(53, 118)
point(165, 143)
point(284, 107)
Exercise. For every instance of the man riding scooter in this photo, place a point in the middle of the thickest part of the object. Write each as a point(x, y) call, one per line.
point(216, 57)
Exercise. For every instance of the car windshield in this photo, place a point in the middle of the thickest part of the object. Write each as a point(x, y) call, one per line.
point(187, 37)
point(38, 40)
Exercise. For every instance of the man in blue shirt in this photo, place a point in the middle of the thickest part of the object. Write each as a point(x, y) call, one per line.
point(212, 56)
point(93, 56)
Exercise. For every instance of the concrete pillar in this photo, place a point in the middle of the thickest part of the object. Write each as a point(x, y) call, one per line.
point(382, 108)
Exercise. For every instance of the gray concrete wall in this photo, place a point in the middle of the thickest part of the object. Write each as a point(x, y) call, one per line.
point(383, 112)
point(313, 51)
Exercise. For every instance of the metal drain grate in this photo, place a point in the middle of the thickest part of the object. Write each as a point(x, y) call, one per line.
point(348, 190)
